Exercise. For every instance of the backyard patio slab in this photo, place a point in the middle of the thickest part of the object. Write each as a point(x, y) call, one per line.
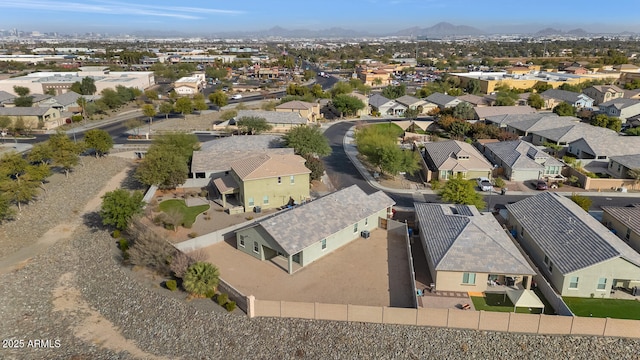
point(373, 272)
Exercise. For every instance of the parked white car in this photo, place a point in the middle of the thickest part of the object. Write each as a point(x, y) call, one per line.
point(484, 184)
point(236, 97)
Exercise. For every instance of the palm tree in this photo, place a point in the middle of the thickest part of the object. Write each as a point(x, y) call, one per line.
point(201, 278)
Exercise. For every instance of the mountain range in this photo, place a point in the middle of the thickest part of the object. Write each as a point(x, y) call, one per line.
point(439, 30)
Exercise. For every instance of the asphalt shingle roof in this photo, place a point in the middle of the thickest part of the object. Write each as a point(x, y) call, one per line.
point(487, 111)
point(23, 111)
point(568, 235)
point(443, 154)
point(630, 161)
point(459, 238)
point(302, 226)
point(269, 165)
point(274, 117)
point(520, 154)
point(619, 103)
point(440, 99)
point(377, 100)
point(564, 95)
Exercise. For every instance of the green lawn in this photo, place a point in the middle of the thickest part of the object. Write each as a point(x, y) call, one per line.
point(502, 303)
point(189, 213)
point(613, 308)
point(391, 127)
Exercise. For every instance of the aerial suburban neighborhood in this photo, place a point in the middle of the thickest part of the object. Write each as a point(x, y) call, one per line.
point(432, 192)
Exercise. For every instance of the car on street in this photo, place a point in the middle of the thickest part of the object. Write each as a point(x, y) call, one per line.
point(541, 185)
point(236, 97)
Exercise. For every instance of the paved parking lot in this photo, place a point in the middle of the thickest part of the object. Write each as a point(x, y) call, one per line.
point(371, 271)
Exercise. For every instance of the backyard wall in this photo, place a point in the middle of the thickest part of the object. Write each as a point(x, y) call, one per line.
point(211, 238)
point(449, 318)
point(588, 183)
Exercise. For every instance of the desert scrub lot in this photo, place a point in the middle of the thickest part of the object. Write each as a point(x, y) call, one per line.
point(613, 308)
point(189, 213)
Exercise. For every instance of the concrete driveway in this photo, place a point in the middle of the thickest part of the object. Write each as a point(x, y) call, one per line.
point(373, 271)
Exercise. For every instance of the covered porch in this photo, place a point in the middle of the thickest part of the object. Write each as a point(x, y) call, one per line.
point(224, 186)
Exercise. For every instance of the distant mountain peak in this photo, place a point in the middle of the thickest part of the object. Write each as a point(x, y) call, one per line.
point(441, 29)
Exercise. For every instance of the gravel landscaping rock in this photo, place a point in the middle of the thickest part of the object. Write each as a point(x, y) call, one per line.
point(107, 296)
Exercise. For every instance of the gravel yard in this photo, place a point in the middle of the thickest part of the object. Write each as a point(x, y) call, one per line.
point(77, 293)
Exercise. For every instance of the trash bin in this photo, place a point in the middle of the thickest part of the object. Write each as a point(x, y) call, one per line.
point(503, 191)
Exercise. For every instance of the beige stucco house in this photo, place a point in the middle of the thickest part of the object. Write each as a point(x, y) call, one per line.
point(306, 233)
point(34, 117)
point(603, 93)
point(444, 160)
point(624, 222)
point(469, 251)
point(307, 110)
point(189, 86)
point(578, 255)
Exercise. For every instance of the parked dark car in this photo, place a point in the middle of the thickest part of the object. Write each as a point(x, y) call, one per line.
point(541, 185)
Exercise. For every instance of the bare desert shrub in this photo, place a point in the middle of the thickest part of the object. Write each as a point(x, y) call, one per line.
point(150, 250)
point(181, 261)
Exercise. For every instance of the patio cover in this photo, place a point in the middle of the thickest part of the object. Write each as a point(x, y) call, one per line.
point(524, 298)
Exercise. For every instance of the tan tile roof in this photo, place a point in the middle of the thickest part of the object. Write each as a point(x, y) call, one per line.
point(296, 105)
point(225, 184)
point(269, 165)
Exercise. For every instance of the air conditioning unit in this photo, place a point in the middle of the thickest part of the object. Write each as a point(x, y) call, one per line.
point(365, 234)
point(257, 209)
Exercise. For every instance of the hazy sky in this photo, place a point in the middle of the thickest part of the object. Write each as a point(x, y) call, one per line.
point(374, 16)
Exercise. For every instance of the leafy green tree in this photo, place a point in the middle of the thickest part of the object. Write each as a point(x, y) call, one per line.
point(219, 99)
point(564, 109)
point(317, 92)
point(411, 113)
point(134, 123)
point(464, 111)
point(297, 90)
point(41, 153)
point(151, 94)
point(6, 211)
point(119, 207)
point(228, 114)
point(315, 165)
point(111, 98)
point(460, 129)
point(23, 101)
point(216, 72)
point(163, 168)
point(582, 201)
point(149, 111)
point(535, 101)
point(19, 191)
point(307, 140)
point(17, 179)
point(347, 104)
point(394, 92)
point(99, 140)
point(65, 153)
point(200, 105)
point(5, 122)
point(253, 125)
point(473, 87)
point(21, 90)
point(87, 86)
point(166, 108)
point(201, 279)
point(308, 75)
point(181, 143)
point(184, 105)
point(506, 98)
point(340, 88)
point(461, 191)
point(602, 120)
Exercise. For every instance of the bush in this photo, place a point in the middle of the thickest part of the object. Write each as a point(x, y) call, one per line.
point(499, 182)
point(201, 278)
point(150, 250)
point(171, 285)
point(115, 234)
point(193, 235)
point(210, 293)
point(435, 184)
point(222, 299)
point(230, 306)
point(123, 244)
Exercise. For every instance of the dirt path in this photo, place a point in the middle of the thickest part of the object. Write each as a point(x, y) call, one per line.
point(92, 327)
point(22, 257)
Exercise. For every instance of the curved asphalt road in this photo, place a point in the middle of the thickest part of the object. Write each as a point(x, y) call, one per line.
point(343, 173)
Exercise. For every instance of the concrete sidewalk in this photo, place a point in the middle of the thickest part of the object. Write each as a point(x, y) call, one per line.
point(352, 152)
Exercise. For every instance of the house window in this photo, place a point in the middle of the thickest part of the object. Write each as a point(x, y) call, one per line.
point(265, 199)
point(251, 202)
point(292, 179)
point(355, 227)
point(573, 282)
point(256, 247)
point(242, 240)
point(546, 260)
point(550, 267)
point(628, 234)
point(521, 232)
point(279, 180)
point(366, 221)
point(469, 278)
point(323, 244)
point(602, 284)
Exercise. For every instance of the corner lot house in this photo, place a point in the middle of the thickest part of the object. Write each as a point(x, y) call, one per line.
point(467, 250)
point(624, 222)
point(307, 110)
point(577, 254)
point(34, 117)
point(312, 230)
point(280, 121)
point(446, 159)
